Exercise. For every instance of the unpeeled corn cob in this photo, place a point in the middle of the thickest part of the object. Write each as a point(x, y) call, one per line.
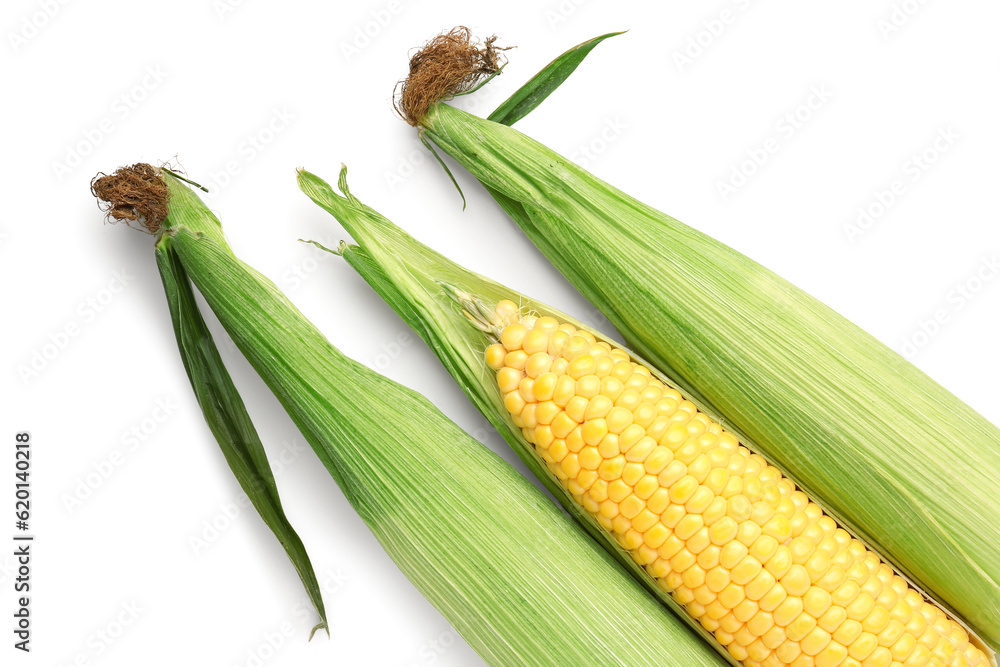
point(732, 539)
point(515, 576)
point(411, 277)
point(893, 455)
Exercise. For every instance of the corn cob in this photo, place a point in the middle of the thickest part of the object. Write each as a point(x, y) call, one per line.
point(734, 541)
point(517, 578)
point(571, 453)
point(834, 407)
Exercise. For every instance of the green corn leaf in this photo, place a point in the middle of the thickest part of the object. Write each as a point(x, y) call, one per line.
point(518, 579)
point(892, 455)
point(229, 421)
point(543, 84)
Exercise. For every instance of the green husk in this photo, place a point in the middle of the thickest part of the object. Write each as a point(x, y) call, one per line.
point(229, 421)
point(421, 286)
point(515, 576)
point(893, 455)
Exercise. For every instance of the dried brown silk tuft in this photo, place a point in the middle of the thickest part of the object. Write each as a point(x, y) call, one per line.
point(136, 192)
point(451, 63)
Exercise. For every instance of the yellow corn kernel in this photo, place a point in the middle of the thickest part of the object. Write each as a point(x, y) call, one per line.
point(778, 527)
point(646, 487)
point(611, 469)
point(656, 535)
point(514, 402)
point(538, 363)
point(861, 607)
point(632, 473)
point(780, 563)
point(800, 628)
point(715, 510)
point(574, 441)
point(619, 490)
point(580, 366)
point(673, 473)
point(731, 595)
point(699, 542)
point(748, 532)
point(508, 380)
point(880, 657)
point(590, 458)
point(760, 623)
point(617, 417)
point(557, 341)
point(571, 465)
point(609, 446)
point(565, 390)
point(700, 501)
point(575, 408)
point(575, 346)
point(495, 355)
point(683, 489)
point(640, 450)
point(562, 425)
point(589, 386)
point(536, 341)
point(611, 388)
point(644, 521)
point(603, 367)
point(659, 501)
point(688, 526)
point(774, 638)
point(528, 417)
point(594, 431)
point(512, 336)
point(717, 579)
point(773, 597)
point(876, 620)
point(682, 560)
point(732, 553)
point(558, 451)
point(816, 601)
point(920, 656)
point(891, 634)
point(543, 436)
point(526, 388)
point(788, 651)
point(516, 360)
point(832, 655)
point(658, 459)
point(788, 611)
point(796, 580)
point(757, 587)
point(848, 632)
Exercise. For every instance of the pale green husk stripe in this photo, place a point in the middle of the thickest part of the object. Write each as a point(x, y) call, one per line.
point(516, 577)
point(892, 454)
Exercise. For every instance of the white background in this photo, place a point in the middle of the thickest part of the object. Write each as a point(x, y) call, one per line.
point(313, 90)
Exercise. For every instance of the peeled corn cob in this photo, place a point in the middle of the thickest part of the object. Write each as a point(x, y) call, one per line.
point(410, 277)
point(724, 532)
